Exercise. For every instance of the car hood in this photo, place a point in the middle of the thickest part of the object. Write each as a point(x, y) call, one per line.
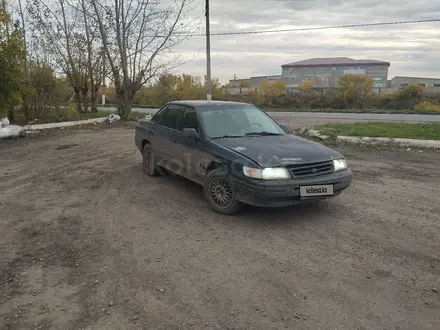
point(279, 150)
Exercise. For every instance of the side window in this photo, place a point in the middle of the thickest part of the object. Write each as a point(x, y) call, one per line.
point(171, 116)
point(158, 115)
point(189, 120)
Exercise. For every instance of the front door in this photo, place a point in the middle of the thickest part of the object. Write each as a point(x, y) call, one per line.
point(189, 150)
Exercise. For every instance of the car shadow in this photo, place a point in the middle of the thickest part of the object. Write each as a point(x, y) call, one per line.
point(314, 212)
point(308, 212)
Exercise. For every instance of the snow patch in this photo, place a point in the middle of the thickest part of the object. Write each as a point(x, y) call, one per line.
point(8, 131)
point(11, 131)
point(111, 118)
point(5, 122)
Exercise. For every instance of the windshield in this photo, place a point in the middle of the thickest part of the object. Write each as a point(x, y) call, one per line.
point(238, 121)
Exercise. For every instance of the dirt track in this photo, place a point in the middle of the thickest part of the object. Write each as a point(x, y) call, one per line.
point(88, 241)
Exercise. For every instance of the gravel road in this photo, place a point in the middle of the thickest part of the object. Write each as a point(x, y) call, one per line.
point(90, 242)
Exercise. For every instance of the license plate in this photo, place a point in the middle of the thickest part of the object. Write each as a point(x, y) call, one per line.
point(317, 190)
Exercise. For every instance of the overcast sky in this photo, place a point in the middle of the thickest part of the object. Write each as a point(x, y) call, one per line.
point(412, 49)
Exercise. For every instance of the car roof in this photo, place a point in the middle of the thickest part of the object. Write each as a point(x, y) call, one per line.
point(207, 104)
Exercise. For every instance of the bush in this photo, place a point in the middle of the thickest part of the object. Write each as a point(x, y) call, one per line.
point(427, 106)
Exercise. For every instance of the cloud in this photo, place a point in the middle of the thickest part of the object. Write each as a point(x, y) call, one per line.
point(412, 49)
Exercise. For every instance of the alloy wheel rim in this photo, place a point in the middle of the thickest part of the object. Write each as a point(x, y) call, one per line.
point(221, 193)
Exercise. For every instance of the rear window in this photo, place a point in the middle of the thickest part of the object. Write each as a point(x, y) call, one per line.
point(172, 116)
point(158, 115)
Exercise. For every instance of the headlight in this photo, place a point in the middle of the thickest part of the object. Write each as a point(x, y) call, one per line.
point(269, 173)
point(340, 164)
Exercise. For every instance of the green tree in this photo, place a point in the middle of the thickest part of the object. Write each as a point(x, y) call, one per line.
point(12, 58)
point(43, 90)
point(408, 97)
point(166, 87)
point(216, 89)
point(412, 92)
point(188, 87)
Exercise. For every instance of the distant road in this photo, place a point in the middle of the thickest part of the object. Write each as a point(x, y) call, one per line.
point(307, 119)
point(299, 119)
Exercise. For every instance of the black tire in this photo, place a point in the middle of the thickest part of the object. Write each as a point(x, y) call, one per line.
point(148, 162)
point(224, 201)
point(163, 171)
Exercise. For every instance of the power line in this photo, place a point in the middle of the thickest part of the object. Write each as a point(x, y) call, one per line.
point(243, 1)
point(311, 28)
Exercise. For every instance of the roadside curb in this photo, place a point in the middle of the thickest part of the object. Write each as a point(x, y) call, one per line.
point(373, 140)
point(38, 127)
point(399, 141)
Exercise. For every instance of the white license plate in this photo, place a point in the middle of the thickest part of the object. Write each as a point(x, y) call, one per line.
point(318, 190)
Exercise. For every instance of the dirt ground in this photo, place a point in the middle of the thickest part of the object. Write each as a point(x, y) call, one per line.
point(89, 242)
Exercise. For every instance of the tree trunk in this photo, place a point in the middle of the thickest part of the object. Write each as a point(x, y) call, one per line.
point(84, 93)
point(94, 108)
point(125, 105)
point(11, 114)
point(78, 99)
point(126, 99)
point(128, 106)
point(94, 98)
point(121, 109)
point(85, 101)
point(26, 111)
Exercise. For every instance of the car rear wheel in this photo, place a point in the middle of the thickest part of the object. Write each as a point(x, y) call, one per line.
point(219, 193)
point(148, 162)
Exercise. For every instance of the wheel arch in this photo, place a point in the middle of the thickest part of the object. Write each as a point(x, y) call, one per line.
point(145, 142)
point(213, 165)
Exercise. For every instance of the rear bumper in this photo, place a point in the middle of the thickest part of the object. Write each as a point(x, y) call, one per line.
point(274, 193)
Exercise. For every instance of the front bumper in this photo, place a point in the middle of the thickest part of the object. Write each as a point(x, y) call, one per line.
point(277, 193)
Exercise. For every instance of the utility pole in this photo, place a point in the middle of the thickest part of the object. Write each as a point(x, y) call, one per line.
point(208, 54)
point(103, 76)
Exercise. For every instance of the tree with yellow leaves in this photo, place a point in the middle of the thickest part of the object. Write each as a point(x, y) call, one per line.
point(305, 86)
point(272, 89)
point(354, 88)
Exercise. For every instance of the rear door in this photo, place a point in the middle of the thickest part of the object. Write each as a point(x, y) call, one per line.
point(153, 137)
point(164, 132)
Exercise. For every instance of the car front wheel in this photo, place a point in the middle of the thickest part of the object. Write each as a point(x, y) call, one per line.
point(219, 193)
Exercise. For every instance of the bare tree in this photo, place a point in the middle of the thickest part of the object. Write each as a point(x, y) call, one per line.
point(145, 32)
point(73, 42)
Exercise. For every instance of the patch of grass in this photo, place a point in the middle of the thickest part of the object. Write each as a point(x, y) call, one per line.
point(58, 114)
point(426, 131)
point(90, 115)
point(378, 111)
point(142, 106)
point(135, 116)
point(68, 113)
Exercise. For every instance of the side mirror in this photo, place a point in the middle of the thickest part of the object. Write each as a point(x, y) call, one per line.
point(191, 133)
